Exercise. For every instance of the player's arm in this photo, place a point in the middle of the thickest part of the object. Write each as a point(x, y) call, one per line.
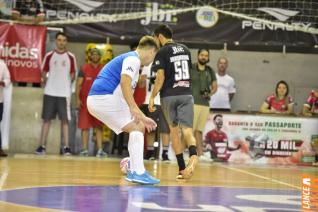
point(233, 148)
point(125, 84)
point(160, 77)
point(130, 70)
point(79, 83)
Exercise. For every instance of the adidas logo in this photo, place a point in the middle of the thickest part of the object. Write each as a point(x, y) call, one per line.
point(86, 5)
point(280, 14)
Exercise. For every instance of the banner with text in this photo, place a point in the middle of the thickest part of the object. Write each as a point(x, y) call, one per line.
point(22, 47)
point(244, 138)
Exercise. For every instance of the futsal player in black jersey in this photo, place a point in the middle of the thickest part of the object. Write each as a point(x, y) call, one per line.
point(172, 66)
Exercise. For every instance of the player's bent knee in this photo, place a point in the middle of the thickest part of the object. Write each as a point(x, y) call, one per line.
point(134, 126)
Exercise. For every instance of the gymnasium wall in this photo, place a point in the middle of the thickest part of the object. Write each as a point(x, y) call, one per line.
point(255, 73)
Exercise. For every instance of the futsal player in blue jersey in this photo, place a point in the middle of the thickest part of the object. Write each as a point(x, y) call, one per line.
point(111, 101)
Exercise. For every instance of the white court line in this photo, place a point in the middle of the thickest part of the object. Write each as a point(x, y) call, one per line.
point(4, 175)
point(3, 179)
point(260, 176)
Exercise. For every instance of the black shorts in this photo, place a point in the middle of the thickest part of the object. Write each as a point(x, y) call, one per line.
point(53, 105)
point(158, 117)
point(178, 110)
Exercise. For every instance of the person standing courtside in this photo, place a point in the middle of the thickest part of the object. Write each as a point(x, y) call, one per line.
point(162, 130)
point(204, 85)
point(58, 72)
point(4, 81)
point(111, 101)
point(172, 65)
point(221, 100)
point(85, 79)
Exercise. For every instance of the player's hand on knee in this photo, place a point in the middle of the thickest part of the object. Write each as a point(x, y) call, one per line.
point(149, 124)
point(136, 114)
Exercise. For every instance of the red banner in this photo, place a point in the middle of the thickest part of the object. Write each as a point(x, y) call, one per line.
point(22, 47)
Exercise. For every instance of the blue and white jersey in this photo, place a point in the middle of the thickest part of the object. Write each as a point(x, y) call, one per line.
point(108, 80)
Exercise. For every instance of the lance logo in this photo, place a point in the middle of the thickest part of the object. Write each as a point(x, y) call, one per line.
point(309, 199)
point(86, 5)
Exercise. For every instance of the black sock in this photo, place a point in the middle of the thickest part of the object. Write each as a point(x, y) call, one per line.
point(164, 152)
point(192, 150)
point(316, 157)
point(150, 153)
point(180, 160)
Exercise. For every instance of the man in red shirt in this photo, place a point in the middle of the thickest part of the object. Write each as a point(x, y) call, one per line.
point(86, 77)
point(218, 141)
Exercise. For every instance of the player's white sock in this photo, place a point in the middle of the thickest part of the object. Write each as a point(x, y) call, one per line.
point(131, 158)
point(136, 151)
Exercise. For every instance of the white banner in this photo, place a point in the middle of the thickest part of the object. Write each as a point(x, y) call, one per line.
point(248, 138)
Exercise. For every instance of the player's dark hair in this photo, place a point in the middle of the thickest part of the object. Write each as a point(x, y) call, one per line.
point(60, 33)
point(203, 49)
point(147, 41)
point(164, 30)
point(284, 83)
point(133, 45)
point(217, 115)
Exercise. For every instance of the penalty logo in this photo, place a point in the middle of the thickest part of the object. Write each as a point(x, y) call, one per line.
point(280, 14)
point(86, 5)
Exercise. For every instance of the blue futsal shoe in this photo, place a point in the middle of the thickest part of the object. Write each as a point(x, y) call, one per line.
point(129, 176)
point(145, 179)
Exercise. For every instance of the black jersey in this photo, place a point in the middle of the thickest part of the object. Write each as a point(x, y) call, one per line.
point(175, 60)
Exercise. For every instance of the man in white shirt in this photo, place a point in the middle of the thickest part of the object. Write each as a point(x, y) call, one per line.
point(58, 72)
point(221, 100)
point(4, 81)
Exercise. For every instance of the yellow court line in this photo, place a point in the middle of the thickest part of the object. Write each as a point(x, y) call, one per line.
point(260, 176)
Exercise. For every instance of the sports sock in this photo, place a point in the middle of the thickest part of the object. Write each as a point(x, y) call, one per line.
point(150, 152)
point(136, 151)
point(165, 151)
point(180, 160)
point(192, 150)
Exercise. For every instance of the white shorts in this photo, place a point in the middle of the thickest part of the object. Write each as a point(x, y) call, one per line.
point(112, 110)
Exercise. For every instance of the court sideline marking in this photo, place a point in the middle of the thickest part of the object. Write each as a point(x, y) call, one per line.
point(260, 176)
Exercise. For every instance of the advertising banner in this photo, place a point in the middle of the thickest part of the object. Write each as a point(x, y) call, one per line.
point(22, 47)
point(242, 138)
point(200, 27)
